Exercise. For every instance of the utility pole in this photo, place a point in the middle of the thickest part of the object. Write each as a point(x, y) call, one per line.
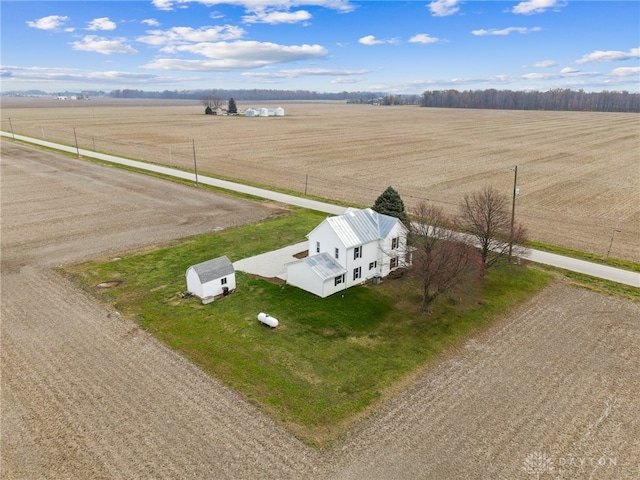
point(195, 165)
point(513, 209)
point(13, 135)
point(611, 242)
point(76, 137)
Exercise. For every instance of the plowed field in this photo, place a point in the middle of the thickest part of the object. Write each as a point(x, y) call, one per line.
point(578, 172)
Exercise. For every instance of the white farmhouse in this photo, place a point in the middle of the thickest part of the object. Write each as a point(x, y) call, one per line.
point(211, 278)
point(349, 249)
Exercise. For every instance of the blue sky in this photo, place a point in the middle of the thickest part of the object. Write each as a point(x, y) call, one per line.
point(403, 47)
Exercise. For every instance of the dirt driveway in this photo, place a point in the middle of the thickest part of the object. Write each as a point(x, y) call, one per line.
point(551, 391)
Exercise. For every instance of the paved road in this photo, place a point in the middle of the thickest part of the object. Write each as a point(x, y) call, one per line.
point(567, 263)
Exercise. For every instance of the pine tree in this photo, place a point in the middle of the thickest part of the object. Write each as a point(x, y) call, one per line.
point(232, 109)
point(390, 203)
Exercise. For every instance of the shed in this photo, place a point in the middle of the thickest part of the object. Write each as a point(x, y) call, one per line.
point(211, 278)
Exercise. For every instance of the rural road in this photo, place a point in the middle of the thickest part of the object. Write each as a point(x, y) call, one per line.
point(580, 266)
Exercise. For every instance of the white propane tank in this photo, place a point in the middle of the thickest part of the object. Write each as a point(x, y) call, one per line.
point(268, 319)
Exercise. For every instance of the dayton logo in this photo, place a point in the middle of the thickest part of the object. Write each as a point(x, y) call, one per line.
point(537, 464)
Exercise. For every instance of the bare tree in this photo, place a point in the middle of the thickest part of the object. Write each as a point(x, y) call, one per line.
point(212, 101)
point(486, 217)
point(442, 258)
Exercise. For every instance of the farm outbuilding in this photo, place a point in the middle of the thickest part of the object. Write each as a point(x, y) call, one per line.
point(264, 112)
point(211, 278)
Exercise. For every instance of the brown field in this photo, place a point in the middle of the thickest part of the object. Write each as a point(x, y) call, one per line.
point(549, 391)
point(578, 172)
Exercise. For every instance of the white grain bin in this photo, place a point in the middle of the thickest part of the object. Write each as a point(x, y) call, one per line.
point(250, 112)
point(279, 112)
point(267, 320)
point(264, 112)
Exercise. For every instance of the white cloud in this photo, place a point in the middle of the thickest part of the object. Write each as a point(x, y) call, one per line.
point(163, 4)
point(344, 81)
point(529, 7)
point(625, 72)
point(371, 40)
point(505, 31)
point(423, 38)
point(609, 56)
point(151, 22)
point(183, 35)
point(236, 55)
point(52, 23)
point(275, 17)
point(545, 64)
point(93, 43)
point(444, 8)
point(569, 70)
point(45, 74)
point(342, 6)
point(296, 73)
point(101, 24)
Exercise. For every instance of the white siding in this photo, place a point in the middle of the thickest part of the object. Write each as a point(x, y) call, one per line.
point(301, 276)
point(208, 289)
point(193, 283)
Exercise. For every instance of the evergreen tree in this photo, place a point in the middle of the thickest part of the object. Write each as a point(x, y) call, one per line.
point(232, 109)
point(390, 203)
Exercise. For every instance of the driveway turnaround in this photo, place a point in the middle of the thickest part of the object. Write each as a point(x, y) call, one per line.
point(271, 264)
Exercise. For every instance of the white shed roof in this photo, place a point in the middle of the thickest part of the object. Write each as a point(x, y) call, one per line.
point(357, 227)
point(213, 269)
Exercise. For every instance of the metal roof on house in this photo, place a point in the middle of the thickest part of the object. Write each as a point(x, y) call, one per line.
point(213, 269)
point(357, 227)
point(324, 265)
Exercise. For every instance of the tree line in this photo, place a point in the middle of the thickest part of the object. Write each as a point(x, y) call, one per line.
point(245, 95)
point(557, 99)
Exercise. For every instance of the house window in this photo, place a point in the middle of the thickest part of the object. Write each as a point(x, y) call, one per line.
point(338, 280)
point(357, 273)
point(394, 262)
point(223, 281)
point(337, 253)
point(395, 243)
point(317, 247)
point(373, 265)
point(357, 252)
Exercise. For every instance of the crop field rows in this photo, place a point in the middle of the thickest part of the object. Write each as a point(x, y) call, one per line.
point(578, 172)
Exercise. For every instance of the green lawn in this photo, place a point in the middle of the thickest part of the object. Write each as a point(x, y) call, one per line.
point(330, 359)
